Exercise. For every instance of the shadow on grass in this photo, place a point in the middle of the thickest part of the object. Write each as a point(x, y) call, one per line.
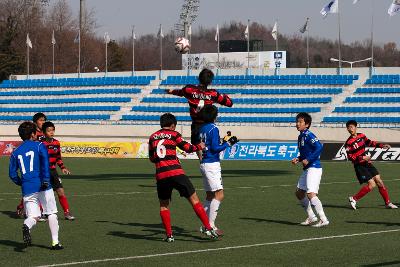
point(376, 223)
point(139, 176)
point(388, 263)
point(269, 221)
point(19, 247)
point(346, 207)
point(154, 231)
point(11, 214)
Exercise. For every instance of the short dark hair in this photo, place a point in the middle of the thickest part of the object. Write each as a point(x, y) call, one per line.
point(306, 117)
point(351, 122)
point(167, 120)
point(228, 132)
point(209, 113)
point(206, 77)
point(37, 116)
point(26, 129)
point(46, 125)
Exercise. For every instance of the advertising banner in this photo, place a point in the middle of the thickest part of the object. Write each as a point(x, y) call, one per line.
point(261, 151)
point(235, 60)
point(7, 147)
point(100, 149)
point(336, 151)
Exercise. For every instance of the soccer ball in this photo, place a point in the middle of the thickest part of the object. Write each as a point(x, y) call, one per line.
point(182, 45)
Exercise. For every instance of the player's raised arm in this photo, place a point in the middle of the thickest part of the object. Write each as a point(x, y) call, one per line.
point(187, 147)
point(12, 170)
point(177, 92)
point(223, 99)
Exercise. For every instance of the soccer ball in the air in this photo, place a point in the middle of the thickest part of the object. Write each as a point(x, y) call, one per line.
point(182, 45)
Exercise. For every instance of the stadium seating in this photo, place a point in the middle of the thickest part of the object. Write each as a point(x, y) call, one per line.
point(72, 82)
point(384, 79)
point(267, 80)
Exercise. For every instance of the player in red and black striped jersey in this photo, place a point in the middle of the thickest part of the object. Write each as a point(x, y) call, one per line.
point(170, 175)
point(54, 150)
point(38, 119)
point(198, 96)
point(365, 171)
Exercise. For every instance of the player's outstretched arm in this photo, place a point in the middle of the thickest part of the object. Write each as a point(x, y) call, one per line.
point(12, 170)
point(224, 100)
point(188, 147)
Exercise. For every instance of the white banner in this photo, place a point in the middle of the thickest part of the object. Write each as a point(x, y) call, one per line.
point(235, 60)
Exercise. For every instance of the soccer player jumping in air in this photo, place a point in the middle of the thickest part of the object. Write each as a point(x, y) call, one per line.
point(170, 175)
point(307, 188)
point(198, 96)
point(32, 160)
point(365, 171)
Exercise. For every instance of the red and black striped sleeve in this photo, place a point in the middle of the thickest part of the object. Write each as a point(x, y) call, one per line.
point(59, 160)
point(152, 158)
point(372, 143)
point(185, 146)
point(223, 99)
point(180, 92)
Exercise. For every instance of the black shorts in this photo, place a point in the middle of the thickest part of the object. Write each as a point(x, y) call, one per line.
point(55, 179)
point(365, 172)
point(195, 135)
point(181, 183)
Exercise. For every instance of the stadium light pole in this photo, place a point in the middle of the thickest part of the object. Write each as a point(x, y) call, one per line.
point(372, 69)
point(350, 62)
point(339, 70)
point(133, 50)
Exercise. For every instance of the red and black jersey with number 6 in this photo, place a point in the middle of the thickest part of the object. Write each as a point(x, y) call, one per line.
point(198, 97)
point(355, 148)
point(54, 150)
point(162, 152)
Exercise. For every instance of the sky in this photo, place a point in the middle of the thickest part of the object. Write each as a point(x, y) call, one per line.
point(117, 17)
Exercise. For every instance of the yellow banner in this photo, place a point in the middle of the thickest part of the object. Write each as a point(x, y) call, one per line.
point(100, 149)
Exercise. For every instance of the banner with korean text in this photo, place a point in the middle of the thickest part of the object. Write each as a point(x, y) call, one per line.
point(261, 151)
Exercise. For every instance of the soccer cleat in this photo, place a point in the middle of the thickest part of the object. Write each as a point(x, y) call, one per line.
point(68, 216)
point(26, 235)
point(219, 232)
point(169, 239)
point(320, 224)
point(390, 205)
point(57, 246)
point(353, 203)
point(42, 218)
point(309, 221)
point(211, 233)
point(202, 229)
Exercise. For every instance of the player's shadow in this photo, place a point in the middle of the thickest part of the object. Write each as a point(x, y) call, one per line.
point(18, 247)
point(346, 207)
point(154, 231)
point(147, 186)
point(11, 214)
point(112, 176)
point(388, 263)
point(269, 221)
point(376, 223)
point(235, 173)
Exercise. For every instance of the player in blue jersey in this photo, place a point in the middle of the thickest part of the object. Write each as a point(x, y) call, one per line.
point(32, 160)
point(210, 166)
point(310, 149)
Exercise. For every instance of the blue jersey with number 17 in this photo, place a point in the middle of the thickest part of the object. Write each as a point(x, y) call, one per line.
point(32, 161)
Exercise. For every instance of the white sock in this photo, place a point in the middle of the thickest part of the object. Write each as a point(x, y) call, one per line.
point(316, 203)
point(207, 207)
point(53, 225)
point(30, 222)
point(305, 202)
point(213, 210)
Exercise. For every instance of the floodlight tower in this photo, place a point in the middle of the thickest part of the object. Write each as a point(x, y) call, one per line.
point(189, 13)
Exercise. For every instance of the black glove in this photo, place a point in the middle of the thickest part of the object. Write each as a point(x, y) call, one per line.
point(233, 140)
point(44, 186)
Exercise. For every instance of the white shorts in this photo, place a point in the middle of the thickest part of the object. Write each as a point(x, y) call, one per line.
point(32, 203)
point(310, 179)
point(212, 179)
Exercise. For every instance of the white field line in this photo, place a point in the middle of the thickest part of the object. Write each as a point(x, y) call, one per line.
point(200, 189)
point(221, 248)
